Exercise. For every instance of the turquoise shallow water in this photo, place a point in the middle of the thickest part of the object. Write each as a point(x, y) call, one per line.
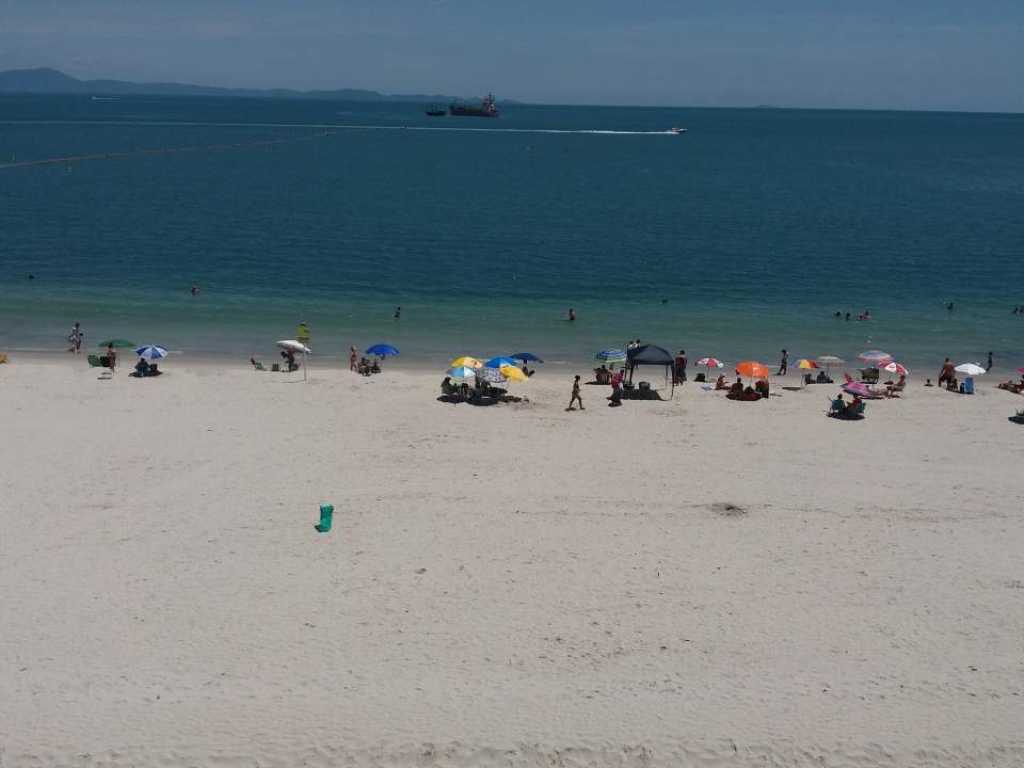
point(736, 239)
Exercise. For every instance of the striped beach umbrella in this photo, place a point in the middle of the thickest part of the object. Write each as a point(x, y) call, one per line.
point(462, 372)
point(465, 361)
point(875, 357)
point(151, 352)
point(498, 362)
point(806, 365)
point(896, 368)
point(611, 356)
point(710, 362)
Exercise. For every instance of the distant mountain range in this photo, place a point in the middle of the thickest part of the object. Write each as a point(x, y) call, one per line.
point(45, 80)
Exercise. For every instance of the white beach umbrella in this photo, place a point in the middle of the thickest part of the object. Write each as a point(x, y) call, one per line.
point(294, 346)
point(970, 369)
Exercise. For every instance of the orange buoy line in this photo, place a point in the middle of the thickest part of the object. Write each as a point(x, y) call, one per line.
point(159, 151)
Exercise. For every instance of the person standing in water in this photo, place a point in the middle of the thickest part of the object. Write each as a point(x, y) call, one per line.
point(989, 366)
point(783, 364)
point(575, 395)
point(572, 314)
point(398, 313)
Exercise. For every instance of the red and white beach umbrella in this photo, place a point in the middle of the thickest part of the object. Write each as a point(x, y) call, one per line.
point(896, 368)
point(710, 362)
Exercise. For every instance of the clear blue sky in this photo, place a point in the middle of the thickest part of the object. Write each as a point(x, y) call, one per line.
point(904, 54)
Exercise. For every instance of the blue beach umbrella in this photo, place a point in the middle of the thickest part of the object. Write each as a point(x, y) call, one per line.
point(527, 357)
point(611, 356)
point(151, 352)
point(382, 350)
point(497, 362)
point(462, 372)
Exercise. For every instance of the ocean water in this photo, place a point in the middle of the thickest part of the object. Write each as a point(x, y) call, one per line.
point(736, 239)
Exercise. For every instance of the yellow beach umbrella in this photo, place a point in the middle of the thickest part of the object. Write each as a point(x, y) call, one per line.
point(465, 362)
point(806, 365)
point(512, 373)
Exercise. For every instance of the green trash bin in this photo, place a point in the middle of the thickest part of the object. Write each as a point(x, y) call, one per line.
point(326, 516)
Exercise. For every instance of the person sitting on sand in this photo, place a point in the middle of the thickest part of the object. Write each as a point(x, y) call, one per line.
point(141, 368)
point(899, 386)
point(602, 375)
point(720, 382)
point(838, 406)
point(823, 378)
point(952, 385)
point(448, 388)
point(761, 387)
point(750, 395)
point(928, 383)
point(736, 389)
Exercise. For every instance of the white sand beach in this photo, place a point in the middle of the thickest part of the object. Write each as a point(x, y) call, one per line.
point(696, 582)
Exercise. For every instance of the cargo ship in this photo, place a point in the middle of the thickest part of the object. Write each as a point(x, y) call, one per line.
point(487, 107)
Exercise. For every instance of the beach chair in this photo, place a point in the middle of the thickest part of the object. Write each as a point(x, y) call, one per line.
point(869, 375)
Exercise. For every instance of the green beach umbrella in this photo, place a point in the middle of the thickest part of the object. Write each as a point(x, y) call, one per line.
point(116, 344)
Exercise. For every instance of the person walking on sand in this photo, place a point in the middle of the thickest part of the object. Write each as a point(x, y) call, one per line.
point(783, 364)
point(948, 373)
point(575, 395)
point(111, 357)
point(75, 338)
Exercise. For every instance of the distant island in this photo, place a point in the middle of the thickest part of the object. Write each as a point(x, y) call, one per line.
point(51, 81)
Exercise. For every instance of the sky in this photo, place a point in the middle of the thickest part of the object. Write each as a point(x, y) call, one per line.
point(898, 54)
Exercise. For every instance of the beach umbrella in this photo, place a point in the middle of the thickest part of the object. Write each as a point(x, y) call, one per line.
point(611, 356)
point(292, 345)
point(806, 365)
point(858, 388)
point(827, 360)
point(752, 369)
point(526, 357)
point(382, 350)
point(116, 344)
point(970, 369)
point(462, 372)
point(512, 373)
point(490, 375)
point(465, 361)
point(875, 357)
point(710, 362)
point(151, 352)
point(498, 362)
point(896, 368)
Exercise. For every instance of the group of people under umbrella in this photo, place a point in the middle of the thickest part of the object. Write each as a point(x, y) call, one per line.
point(146, 365)
point(473, 380)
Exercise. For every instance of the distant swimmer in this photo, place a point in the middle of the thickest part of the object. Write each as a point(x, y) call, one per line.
point(398, 313)
point(572, 314)
point(31, 276)
point(847, 317)
point(865, 315)
point(195, 290)
point(838, 314)
point(949, 306)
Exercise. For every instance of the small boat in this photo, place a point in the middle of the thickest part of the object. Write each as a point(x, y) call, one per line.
point(436, 111)
point(677, 131)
